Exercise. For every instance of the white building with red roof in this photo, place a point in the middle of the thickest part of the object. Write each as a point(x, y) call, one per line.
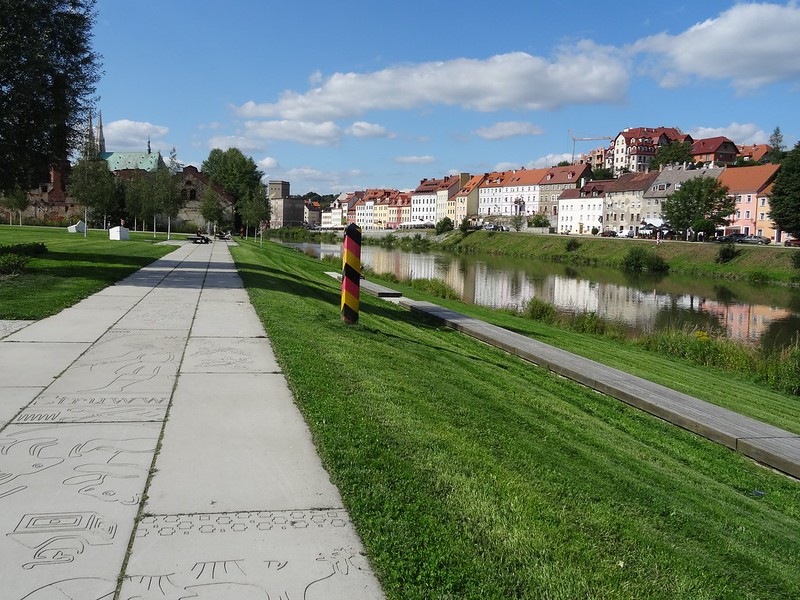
point(510, 193)
point(635, 147)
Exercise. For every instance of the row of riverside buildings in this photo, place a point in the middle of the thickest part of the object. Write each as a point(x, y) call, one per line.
point(572, 202)
point(629, 204)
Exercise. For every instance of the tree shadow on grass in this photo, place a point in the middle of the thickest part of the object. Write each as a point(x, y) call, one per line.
point(269, 279)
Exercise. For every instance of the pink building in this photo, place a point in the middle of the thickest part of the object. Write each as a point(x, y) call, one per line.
point(748, 185)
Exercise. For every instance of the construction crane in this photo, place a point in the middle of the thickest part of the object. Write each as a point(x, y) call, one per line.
point(583, 139)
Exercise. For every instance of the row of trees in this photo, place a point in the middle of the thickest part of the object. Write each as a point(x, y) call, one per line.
point(145, 196)
point(48, 78)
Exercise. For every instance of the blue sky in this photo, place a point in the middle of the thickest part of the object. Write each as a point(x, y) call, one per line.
point(339, 96)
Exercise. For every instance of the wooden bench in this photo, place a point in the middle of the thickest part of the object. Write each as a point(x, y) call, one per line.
point(198, 239)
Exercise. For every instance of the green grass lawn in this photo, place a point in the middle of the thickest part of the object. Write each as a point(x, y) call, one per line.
point(473, 474)
point(73, 268)
point(769, 262)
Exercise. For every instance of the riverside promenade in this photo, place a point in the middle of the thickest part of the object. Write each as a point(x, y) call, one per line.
point(150, 449)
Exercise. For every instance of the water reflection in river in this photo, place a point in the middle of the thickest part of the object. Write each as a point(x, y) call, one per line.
point(767, 315)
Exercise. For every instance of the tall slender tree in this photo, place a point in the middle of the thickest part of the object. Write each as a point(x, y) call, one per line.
point(92, 185)
point(210, 207)
point(254, 209)
point(167, 195)
point(777, 149)
point(48, 74)
point(785, 200)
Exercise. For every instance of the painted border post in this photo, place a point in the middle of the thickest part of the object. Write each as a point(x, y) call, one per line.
point(351, 273)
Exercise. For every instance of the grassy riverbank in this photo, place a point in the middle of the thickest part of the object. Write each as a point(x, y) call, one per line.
point(753, 263)
point(73, 268)
point(472, 474)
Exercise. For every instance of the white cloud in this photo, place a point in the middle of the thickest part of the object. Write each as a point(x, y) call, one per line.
point(268, 163)
point(506, 166)
point(305, 179)
point(508, 129)
point(585, 74)
point(415, 160)
point(739, 133)
point(125, 135)
point(751, 44)
point(550, 160)
point(245, 144)
point(302, 132)
point(362, 129)
point(542, 162)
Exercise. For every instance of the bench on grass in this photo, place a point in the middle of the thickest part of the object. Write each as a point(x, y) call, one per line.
point(198, 239)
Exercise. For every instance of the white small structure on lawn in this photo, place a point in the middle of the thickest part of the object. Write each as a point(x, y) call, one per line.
point(79, 227)
point(119, 233)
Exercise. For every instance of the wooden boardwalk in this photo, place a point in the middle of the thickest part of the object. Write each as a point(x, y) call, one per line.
point(764, 443)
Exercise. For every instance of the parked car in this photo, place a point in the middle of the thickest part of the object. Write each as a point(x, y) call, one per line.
point(608, 233)
point(792, 242)
point(754, 239)
point(731, 238)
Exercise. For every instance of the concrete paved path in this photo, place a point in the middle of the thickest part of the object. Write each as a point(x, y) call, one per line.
point(168, 374)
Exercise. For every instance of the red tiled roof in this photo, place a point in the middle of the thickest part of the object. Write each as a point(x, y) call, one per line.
point(526, 176)
point(755, 151)
point(473, 182)
point(748, 179)
point(632, 182)
point(710, 145)
point(561, 175)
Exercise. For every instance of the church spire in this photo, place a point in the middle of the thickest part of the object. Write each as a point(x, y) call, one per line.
point(101, 141)
point(90, 144)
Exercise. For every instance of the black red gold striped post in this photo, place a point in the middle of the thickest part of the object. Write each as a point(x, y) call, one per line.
point(351, 273)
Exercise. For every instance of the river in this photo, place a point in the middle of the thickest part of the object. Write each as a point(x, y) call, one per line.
point(761, 315)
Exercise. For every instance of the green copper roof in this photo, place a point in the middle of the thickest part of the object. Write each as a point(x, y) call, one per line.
point(117, 161)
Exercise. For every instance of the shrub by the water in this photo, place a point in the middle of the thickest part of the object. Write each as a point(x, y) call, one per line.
point(572, 245)
point(539, 310)
point(727, 252)
point(435, 287)
point(639, 260)
point(589, 322)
